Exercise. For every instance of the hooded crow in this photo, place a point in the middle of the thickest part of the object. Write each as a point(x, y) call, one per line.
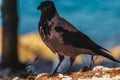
point(63, 38)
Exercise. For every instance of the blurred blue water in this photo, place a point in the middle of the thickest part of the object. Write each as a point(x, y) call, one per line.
point(99, 19)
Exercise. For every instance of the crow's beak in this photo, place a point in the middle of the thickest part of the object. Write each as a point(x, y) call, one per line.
point(39, 7)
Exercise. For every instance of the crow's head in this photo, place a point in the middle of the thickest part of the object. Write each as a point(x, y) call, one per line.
point(47, 8)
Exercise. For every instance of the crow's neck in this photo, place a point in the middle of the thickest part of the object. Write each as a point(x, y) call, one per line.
point(46, 24)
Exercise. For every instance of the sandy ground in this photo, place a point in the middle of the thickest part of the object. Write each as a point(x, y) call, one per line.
point(98, 73)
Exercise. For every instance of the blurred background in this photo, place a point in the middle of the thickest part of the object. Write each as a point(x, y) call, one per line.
point(99, 19)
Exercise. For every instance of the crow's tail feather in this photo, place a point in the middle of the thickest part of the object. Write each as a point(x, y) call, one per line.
point(102, 53)
point(105, 49)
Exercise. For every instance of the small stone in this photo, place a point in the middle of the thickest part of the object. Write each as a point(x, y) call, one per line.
point(67, 78)
point(61, 75)
point(101, 68)
point(16, 78)
point(97, 75)
point(98, 68)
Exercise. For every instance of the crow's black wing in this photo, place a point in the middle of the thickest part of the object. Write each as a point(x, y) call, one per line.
point(76, 39)
point(71, 36)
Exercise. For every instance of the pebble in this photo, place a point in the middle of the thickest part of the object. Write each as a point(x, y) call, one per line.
point(101, 68)
point(67, 78)
point(16, 78)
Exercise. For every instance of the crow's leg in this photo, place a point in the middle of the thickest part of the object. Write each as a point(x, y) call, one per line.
point(61, 59)
point(72, 59)
point(92, 63)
